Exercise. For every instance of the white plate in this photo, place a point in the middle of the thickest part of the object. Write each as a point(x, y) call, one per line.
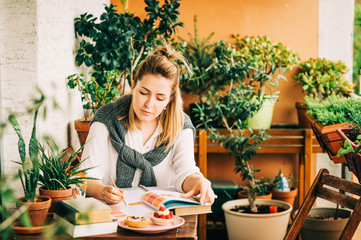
point(153, 228)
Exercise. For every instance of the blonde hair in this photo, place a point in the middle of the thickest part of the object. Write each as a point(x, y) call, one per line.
point(163, 62)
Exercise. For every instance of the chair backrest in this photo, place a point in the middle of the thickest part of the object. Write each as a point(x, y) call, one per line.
point(318, 189)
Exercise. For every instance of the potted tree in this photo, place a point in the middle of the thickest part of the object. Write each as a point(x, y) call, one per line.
point(60, 173)
point(206, 60)
point(29, 173)
point(328, 116)
point(320, 78)
point(116, 44)
point(232, 108)
point(269, 61)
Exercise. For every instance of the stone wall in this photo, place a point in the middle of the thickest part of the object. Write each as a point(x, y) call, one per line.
point(37, 43)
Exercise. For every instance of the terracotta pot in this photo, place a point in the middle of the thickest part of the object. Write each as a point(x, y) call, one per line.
point(288, 197)
point(241, 195)
point(82, 128)
point(328, 138)
point(301, 114)
point(56, 196)
point(38, 211)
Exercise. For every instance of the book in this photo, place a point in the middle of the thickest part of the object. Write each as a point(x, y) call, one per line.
point(147, 200)
point(86, 229)
point(84, 211)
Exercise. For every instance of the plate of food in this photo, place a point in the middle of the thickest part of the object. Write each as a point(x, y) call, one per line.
point(145, 224)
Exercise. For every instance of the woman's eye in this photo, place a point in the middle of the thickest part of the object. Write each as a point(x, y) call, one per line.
point(143, 93)
point(160, 99)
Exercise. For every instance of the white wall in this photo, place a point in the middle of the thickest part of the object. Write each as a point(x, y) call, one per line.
point(335, 43)
point(36, 48)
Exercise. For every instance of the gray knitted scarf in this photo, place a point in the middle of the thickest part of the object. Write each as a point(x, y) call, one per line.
point(129, 159)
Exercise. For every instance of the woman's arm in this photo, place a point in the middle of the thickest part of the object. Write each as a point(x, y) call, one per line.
point(96, 154)
point(187, 175)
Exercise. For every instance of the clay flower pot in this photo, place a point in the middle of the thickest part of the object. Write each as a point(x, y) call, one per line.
point(82, 128)
point(56, 196)
point(288, 197)
point(38, 211)
point(328, 138)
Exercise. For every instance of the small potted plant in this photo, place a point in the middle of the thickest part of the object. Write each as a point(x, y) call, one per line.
point(60, 173)
point(351, 138)
point(282, 189)
point(29, 173)
point(269, 61)
point(328, 116)
point(320, 78)
point(232, 108)
point(93, 96)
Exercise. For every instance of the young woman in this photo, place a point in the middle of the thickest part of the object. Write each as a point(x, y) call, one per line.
point(145, 137)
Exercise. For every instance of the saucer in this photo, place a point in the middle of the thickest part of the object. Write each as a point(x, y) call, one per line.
point(153, 228)
point(18, 228)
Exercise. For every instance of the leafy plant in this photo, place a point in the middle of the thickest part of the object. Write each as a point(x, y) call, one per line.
point(269, 60)
point(93, 94)
point(357, 45)
point(29, 172)
point(122, 40)
point(336, 109)
point(59, 171)
point(233, 108)
point(206, 60)
point(321, 78)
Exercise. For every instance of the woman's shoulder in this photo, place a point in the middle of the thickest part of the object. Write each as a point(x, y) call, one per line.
point(115, 109)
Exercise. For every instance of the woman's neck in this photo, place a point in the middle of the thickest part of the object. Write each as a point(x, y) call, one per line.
point(147, 128)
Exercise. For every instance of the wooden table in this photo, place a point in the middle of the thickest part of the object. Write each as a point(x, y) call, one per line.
point(187, 231)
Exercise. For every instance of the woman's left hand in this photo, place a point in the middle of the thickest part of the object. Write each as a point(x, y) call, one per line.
point(197, 184)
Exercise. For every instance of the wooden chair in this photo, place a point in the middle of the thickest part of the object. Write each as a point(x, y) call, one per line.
point(318, 190)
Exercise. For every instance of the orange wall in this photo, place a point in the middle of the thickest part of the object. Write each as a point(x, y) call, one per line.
point(294, 23)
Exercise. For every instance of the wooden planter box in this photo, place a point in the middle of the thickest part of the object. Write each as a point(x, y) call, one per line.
point(328, 138)
point(353, 160)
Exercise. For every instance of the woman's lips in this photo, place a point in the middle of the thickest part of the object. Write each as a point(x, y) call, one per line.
point(146, 112)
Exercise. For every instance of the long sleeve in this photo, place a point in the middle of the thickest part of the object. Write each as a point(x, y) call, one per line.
point(183, 158)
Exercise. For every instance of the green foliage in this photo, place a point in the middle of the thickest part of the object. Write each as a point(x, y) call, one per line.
point(8, 217)
point(336, 109)
point(321, 78)
point(357, 43)
point(93, 94)
point(59, 170)
point(270, 60)
point(29, 172)
point(206, 60)
point(233, 108)
point(122, 40)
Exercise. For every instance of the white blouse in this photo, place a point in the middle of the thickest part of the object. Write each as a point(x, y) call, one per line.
point(172, 171)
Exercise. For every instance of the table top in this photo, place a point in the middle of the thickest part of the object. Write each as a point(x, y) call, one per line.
point(187, 231)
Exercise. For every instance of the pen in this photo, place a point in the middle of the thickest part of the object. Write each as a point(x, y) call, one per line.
point(118, 188)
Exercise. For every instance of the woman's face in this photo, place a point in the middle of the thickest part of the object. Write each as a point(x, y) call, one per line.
point(151, 95)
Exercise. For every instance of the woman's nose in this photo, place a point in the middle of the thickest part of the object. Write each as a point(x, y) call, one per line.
point(149, 102)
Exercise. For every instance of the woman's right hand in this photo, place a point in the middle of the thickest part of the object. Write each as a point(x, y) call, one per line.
point(112, 195)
